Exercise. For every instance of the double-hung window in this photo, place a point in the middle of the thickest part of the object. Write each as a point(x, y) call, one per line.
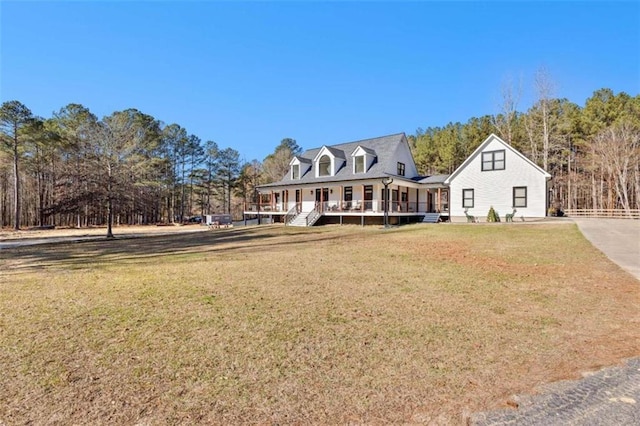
point(519, 196)
point(359, 164)
point(493, 160)
point(295, 171)
point(400, 169)
point(467, 198)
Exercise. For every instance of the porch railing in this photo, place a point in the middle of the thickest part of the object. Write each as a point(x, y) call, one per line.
point(377, 206)
point(314, 215)
point(291, 214)
point(353, 206)
point(266, 207)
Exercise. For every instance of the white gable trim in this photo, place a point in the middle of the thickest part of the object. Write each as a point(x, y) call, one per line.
point(360, 150)
point(323, 151)
point(482, 146)
point(335, 162)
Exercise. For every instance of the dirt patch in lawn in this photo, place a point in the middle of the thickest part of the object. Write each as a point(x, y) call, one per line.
point(419, 324)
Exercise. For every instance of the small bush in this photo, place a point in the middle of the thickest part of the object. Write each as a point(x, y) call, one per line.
point(492, 216)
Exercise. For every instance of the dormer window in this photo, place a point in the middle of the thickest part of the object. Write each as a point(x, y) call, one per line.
point(298, 167)
point(328, 161)
point(324, 166)
point(363, 159)
point(358, 164)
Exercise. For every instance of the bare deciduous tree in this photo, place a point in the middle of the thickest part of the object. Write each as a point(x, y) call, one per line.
point(504, 121)
point(618, 150)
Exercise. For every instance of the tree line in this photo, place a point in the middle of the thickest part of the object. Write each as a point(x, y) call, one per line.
point(74, 169)
point(591, 152)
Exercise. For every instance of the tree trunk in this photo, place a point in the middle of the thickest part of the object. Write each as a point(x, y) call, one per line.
point(109, 207)
point(16, 183)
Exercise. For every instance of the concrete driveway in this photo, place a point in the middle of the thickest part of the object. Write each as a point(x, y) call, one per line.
point(618, 239)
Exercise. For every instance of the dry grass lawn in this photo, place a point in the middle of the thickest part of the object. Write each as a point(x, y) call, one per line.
point(418, 324)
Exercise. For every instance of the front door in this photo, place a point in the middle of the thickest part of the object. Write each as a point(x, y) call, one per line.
point(348, 197)
point(322, 195)
point(368, 197)
point(433, 201)
point(394, 200)
point(444, 201)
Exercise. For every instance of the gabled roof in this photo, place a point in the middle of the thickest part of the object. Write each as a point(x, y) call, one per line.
point(364, 149)
point(482, 146)
point(384, 148)
point(434, 179)
point(336, 153)
point(300, 159)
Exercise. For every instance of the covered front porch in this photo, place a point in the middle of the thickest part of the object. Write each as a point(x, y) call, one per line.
point(347, 200)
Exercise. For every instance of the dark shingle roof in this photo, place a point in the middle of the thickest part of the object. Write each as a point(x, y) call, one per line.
point(367, 150)
point(302, 159)
point(338, 153)
point(384, 148)
point(434, 179)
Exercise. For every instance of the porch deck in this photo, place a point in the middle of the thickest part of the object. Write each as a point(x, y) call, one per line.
point(346, 212)
point(346, 208)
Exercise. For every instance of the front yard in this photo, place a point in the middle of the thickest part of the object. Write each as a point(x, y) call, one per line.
point(290, 325)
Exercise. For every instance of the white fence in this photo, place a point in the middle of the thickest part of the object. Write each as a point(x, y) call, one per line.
point(604, 213)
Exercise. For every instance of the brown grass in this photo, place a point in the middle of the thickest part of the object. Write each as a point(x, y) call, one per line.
point(419, 324)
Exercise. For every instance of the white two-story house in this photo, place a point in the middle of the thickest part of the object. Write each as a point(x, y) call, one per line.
point(375, 180)
point(496, 175)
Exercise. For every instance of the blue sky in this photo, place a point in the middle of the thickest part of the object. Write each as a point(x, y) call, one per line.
point(248, 74)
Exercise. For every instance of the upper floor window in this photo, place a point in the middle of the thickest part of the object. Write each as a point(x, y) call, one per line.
point(358, 164)
point(493, 160)
point(324, 166)
point(400, 169)
point(295, 171)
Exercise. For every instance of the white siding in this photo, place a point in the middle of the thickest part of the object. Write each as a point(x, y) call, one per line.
point(495, 188)
point(403, 155)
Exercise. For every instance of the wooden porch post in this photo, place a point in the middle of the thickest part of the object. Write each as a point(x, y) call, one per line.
point(362, 202)
point(271, 201)
point(438, 203)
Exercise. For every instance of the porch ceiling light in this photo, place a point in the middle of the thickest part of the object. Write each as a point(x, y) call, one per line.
point(387, 181)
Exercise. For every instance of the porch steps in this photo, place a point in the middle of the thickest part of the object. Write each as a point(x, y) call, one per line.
point(431, 218)
point(300, 219)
